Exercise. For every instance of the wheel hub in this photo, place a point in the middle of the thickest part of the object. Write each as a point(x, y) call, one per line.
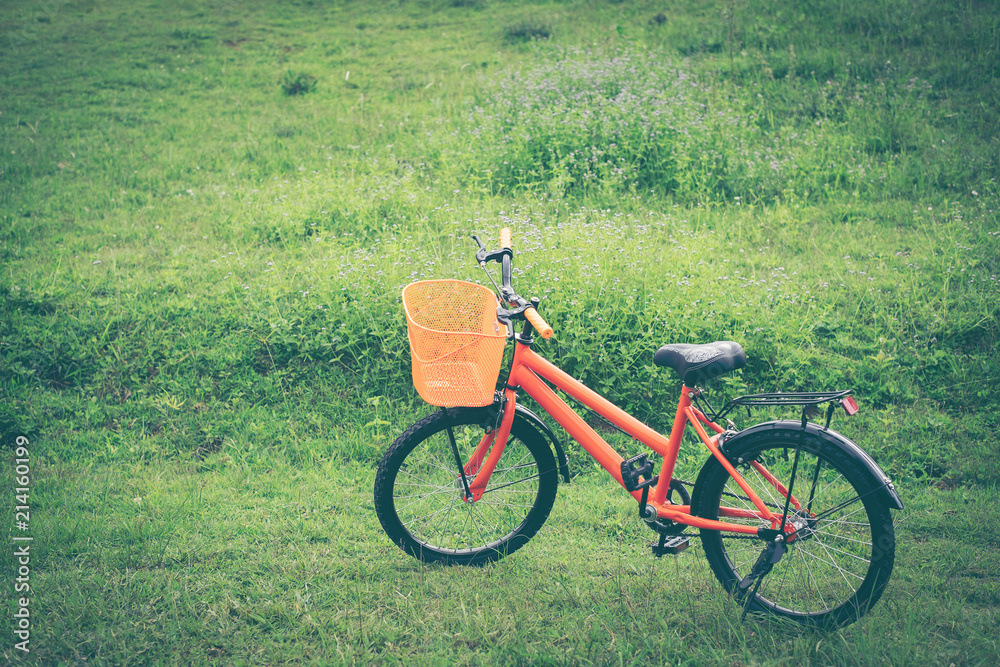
point(804, 525)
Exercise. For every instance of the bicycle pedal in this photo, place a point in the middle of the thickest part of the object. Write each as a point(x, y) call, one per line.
point(674, 545)
point(634, 468)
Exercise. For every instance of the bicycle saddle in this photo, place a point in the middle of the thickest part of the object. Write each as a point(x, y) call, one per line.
point(698, 363)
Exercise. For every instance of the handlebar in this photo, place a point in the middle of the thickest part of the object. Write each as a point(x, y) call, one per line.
point(537, 321)
point(521, 309)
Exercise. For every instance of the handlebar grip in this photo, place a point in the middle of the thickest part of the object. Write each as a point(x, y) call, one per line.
point(541, 326)
point(505, 237)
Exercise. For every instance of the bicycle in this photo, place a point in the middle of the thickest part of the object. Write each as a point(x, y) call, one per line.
point(793, 517)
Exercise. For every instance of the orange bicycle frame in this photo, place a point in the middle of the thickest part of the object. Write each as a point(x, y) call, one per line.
point(528, 370)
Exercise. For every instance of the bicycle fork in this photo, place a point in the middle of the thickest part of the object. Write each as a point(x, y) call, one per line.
point(476, 472)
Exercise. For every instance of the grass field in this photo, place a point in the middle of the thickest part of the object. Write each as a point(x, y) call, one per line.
point(208, 211)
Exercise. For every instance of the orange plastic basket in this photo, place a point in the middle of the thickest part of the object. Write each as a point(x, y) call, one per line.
point(456, 342)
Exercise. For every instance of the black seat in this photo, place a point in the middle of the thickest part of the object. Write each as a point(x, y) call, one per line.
point(698, 363)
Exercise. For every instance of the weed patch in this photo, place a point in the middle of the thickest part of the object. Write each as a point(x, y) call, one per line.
point(297, 83)
point(527, 30)
point(635, 121)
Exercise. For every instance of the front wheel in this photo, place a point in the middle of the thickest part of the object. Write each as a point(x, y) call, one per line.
point(420, 498)
point(839, 561)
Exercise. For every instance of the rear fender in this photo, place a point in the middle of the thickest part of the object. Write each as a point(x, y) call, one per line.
point(828, 438)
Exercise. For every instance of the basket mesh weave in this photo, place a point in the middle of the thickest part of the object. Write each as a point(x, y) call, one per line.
point(456, 342)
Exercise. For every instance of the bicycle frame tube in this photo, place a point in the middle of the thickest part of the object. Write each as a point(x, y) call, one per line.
point(527, 372)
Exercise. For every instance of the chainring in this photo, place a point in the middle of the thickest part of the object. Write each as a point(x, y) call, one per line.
point(672, 527)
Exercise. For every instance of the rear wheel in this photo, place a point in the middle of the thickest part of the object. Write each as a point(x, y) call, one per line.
point(420, 497)
point(839, 561)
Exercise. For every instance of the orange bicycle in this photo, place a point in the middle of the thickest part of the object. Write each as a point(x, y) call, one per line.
point(794, 518)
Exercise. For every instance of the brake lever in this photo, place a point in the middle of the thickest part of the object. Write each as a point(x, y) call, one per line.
point(483, 255)
point(503, 318)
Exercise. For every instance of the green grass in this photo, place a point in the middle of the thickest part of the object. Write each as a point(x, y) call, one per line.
point(207, 213)
point(229, 560)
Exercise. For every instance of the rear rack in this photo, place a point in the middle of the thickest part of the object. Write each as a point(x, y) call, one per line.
point(808, 401)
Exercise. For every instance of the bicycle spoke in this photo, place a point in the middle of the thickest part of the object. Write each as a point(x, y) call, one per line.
point(815, 584)
point(423, 498)
point(440, 513)
point(503, 486)
point(840, 570)
point(473, 509)
point(841, 537)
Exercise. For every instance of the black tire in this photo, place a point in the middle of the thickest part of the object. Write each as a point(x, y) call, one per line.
point(419, 491)
point(839, 566)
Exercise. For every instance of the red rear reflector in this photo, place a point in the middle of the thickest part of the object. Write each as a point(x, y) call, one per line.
point(850, 405)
